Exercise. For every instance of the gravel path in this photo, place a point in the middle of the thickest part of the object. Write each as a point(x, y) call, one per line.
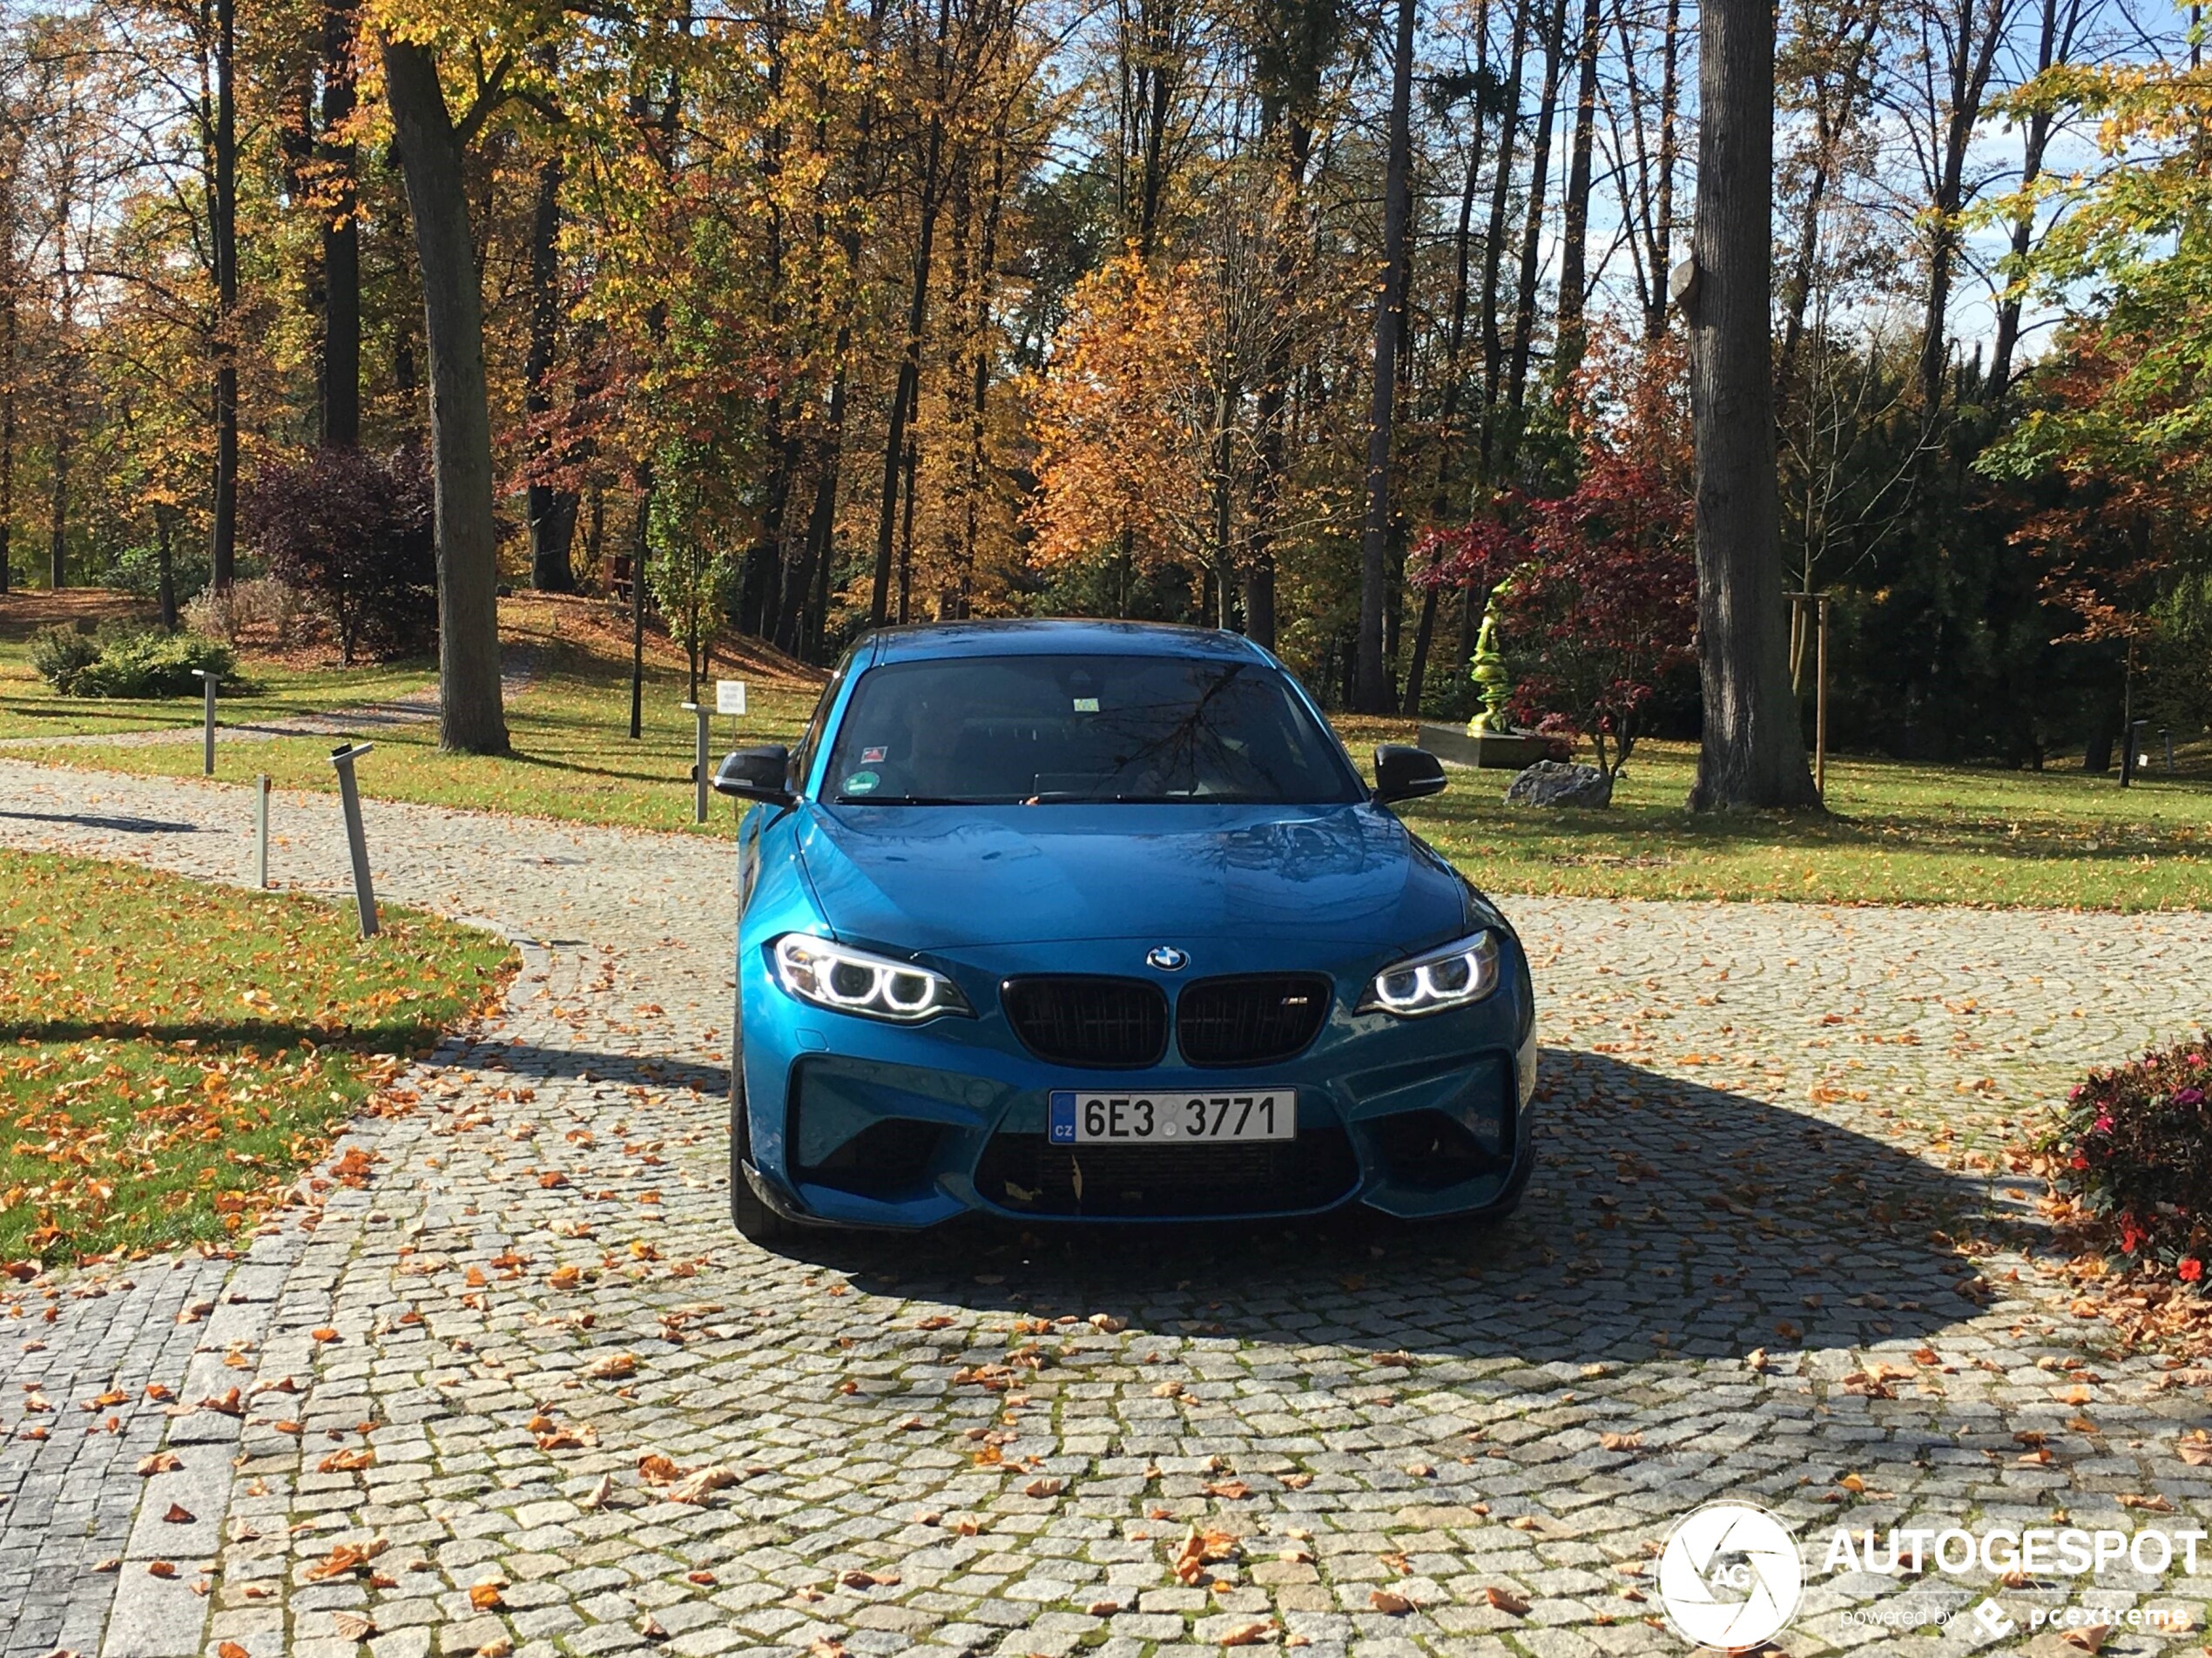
point(1768, 1125)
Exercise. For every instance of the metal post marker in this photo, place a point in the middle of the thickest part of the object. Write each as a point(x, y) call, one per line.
point(207, 745)
point(1820, 709)
point(261, 832)
point(343, 758)
point(701, 780)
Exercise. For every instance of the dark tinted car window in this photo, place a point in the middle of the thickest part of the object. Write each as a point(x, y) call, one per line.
point(1055, 730)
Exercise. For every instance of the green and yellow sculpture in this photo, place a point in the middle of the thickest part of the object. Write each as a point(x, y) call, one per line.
point(1491, 680)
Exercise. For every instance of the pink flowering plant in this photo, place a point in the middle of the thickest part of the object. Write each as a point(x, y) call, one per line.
point(2132, 1151)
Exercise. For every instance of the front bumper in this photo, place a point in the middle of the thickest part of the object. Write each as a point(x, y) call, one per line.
point(855, 1123)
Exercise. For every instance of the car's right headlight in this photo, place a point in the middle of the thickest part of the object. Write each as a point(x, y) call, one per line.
point(846, 980)
point(1464, 971)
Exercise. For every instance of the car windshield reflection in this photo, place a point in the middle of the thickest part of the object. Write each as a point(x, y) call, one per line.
point(1084, 729)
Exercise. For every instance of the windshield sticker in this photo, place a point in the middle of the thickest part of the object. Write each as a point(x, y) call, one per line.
point(862, 782)
point(872, 756)
point(1086, 705)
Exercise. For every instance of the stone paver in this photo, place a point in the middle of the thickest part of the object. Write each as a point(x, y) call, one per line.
point(1773, 1253)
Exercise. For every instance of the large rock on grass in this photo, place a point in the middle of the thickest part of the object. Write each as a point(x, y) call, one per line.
point(1549, 783)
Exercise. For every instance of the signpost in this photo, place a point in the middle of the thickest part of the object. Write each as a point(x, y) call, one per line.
point(729, 698)
point(208, 742)
point(343, 758)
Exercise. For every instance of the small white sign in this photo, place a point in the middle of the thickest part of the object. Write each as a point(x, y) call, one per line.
point(729, 696)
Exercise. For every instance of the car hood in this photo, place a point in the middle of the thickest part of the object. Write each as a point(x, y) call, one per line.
point(933, 878)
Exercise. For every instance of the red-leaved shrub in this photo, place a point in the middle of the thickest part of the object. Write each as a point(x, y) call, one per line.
point(352, 532)
point(2132, 1147)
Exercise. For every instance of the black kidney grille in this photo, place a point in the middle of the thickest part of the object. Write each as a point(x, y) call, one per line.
point(1025, 1173)
point(1116, 1023)
point(1249, 1019)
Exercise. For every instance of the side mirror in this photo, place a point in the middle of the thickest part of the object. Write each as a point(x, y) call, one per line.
point(1403, 773)
point(756, 774)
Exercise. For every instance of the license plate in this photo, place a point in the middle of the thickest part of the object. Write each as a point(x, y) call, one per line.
point(1080, 1117)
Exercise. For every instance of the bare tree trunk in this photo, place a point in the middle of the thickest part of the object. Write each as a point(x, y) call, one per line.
point(57, 519)
point(222, 229)
point(341, 278)
point(551, 509)
point(165, 530)
point(8, 345)
point(471, 720)
point(1753, 752)
point(1494, 243)
point(1662, 229)
point(1540, 165)
point(1273, 399)
point(639, 546)
point(792, 633)
point(2054, 44)
point(907, 536)
point(1652, 211)
point(1417, 671)
point(762, 569)
point(1574, 258)
point(1371, 679)
point(1448, 431)
point(1972, 58)
point(907, 391)
point(979, 392)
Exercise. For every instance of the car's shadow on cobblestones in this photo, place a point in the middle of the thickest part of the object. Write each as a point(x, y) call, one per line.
point(1665, 1219)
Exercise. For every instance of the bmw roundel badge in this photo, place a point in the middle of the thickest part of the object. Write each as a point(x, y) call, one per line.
point(1167, 958)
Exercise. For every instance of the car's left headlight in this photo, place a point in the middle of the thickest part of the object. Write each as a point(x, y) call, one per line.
point(846, 980)
point(1464, 971)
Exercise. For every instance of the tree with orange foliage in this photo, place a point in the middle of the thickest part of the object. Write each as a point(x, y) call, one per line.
point(1124, 423)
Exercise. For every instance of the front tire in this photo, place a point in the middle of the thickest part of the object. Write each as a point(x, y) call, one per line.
point(759, 1224)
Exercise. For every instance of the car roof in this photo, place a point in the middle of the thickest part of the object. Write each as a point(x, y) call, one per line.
point(1071, 636)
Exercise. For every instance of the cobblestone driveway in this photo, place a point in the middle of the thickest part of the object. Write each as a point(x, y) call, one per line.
point(1769, 1255)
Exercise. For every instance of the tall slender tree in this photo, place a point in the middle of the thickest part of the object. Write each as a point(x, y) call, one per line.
point(1371, 674)
point(1752, 752)
point(433, 151)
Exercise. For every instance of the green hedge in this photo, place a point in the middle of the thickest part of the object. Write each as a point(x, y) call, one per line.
point(139, 665)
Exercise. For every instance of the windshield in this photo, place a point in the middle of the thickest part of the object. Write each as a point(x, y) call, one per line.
point(1046, 731)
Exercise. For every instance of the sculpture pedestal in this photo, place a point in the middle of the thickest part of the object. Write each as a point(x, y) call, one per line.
point(1492, 750)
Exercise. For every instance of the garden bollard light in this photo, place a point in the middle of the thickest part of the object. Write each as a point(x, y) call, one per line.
point(343, 758)
point(261, 832)
point(701, 780)
point(2131, 758)
point(207, 741)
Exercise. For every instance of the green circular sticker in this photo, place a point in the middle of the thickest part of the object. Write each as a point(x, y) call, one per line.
point(862, 782)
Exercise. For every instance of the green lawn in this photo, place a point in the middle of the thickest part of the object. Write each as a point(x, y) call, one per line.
point(171, 1052)
point(29, 708)
point(1897, 832)
point(573, 758)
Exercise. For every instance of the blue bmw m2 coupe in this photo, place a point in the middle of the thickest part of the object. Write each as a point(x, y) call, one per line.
point(1097, 921)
